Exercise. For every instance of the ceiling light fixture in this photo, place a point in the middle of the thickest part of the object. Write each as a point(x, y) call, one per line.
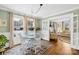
point(37, 9)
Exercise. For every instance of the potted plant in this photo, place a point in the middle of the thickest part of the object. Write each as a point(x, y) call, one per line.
point(3, 41)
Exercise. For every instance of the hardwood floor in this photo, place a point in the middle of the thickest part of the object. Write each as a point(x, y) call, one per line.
point(60, 48)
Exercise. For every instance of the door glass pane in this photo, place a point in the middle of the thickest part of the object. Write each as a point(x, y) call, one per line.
point(75, 24)
point(18, 22)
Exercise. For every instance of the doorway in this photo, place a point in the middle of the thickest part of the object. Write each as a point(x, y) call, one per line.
point(60, 29)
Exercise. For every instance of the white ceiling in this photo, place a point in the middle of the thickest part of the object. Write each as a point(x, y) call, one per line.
point(45, 11)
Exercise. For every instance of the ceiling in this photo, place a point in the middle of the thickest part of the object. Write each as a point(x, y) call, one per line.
point(45, 11)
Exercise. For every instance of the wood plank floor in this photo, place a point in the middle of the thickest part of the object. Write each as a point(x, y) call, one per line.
point(60, 48)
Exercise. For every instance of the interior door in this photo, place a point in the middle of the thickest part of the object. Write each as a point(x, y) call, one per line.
point(17, 29)
point(45, 29)
point(75, 33)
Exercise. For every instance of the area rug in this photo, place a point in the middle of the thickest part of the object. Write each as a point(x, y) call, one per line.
point(37, 49)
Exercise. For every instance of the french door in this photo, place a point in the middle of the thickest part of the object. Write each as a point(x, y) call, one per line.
point(17, 29)
point(75, 32)
point(45, 29)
